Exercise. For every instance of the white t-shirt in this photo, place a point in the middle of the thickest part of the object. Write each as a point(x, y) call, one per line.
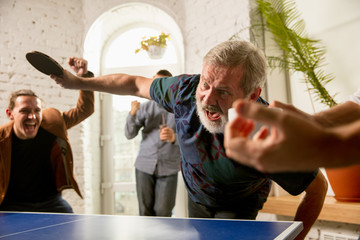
point(355, 97)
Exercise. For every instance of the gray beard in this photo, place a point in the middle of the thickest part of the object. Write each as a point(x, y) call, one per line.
point(211, 126)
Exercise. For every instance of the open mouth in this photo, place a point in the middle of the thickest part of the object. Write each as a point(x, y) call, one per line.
point(213, 116)
point(30, 126)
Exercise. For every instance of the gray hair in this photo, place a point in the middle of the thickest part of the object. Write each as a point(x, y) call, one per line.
point(234, 53)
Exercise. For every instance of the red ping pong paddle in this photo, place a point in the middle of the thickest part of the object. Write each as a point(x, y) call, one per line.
point(44, 63)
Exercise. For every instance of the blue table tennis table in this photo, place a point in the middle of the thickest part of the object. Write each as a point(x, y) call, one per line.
point(43, 226)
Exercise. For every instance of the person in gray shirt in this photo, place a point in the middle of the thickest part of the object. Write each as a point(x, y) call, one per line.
point(158, 162)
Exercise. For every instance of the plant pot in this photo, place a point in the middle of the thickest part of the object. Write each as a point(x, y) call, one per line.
point(345, 183)
point(156, 52)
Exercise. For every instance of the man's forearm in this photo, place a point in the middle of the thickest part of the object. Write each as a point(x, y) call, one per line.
point(311, 204)
point(346, 151)
point(339, 115)
point(120, 84)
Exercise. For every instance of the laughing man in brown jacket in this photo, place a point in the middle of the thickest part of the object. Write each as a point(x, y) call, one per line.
point(36, 161)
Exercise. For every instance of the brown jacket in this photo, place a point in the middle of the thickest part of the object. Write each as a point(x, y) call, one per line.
point(57, 123)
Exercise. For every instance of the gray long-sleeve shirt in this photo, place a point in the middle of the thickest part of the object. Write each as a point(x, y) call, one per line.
point(153, 153)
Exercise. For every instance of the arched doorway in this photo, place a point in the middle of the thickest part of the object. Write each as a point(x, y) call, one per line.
point(109, 48)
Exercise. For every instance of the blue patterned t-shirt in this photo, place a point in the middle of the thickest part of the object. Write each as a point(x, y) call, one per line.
point(212, 178)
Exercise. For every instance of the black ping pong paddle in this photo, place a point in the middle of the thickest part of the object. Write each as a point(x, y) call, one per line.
point(44, 63)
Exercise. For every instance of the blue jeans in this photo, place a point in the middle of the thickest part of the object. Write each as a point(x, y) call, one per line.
point(156, 194)
point(55, 204)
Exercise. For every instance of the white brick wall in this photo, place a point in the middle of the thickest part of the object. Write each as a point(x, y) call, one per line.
point(54, 27)
point(204, 22)
point(209, 22)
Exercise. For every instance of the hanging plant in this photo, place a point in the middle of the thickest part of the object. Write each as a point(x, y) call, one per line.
point(160, 41)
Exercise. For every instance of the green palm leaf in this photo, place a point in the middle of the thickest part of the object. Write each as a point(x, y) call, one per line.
point(300, 53)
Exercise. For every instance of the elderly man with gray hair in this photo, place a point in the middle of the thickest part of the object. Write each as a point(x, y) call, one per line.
point(218, 187)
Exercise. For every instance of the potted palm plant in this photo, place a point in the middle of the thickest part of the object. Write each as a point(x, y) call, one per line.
point(155, 46)
point(302, 54)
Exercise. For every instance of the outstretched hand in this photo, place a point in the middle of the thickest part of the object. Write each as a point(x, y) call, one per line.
point(281, 149)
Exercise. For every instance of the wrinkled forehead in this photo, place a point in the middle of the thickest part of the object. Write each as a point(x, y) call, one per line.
point(224, 74)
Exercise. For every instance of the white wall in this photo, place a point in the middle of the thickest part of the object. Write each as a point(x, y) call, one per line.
point(336, 24)
point(202, 23)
